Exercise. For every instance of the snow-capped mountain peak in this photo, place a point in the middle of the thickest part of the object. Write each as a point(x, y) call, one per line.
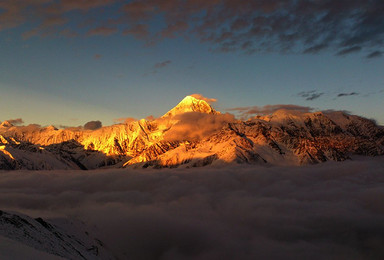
point(191, 104)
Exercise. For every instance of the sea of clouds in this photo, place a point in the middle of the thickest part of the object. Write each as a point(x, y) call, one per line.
point(326, 211)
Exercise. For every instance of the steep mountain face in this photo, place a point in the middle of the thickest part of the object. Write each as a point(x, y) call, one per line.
point(260, 142)
point(37, 235)
point(285, 137)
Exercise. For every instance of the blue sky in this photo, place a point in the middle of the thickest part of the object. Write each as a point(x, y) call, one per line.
point(69, 62)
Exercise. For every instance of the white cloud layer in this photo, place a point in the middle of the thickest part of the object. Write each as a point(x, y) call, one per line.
point(332, 210)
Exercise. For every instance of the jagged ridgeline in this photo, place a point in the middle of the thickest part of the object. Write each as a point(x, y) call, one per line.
point(194, 134)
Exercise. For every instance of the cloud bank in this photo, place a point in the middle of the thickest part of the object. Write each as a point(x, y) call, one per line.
point(285, 26)
point(16, 121)
point(268, 109)
point(332, 210)
point(93, 125)
point(124, 120)
point(199, 96)
point(196, 126)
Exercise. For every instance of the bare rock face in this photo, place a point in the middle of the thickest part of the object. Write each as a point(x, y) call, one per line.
point(283, 138)
point(286, 140)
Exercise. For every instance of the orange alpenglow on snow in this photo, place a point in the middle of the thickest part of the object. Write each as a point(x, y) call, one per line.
point(193, 134)
point(191, 104)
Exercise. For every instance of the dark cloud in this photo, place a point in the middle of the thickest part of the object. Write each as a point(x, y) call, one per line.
point(347, 94)
point(316, 48)
point(331, 210)
point(269, 109)
point(93, 125)
point(375, 54)
point(310, 95)
point(17, 121)
point(84, 4)
point(298, 26)
point(349, 50)
point(161, 65)
point(283, 26)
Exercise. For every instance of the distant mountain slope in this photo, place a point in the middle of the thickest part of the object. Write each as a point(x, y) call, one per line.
point(194, 134)
point(16, 155)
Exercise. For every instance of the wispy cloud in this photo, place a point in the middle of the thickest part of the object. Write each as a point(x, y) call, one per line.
point(162, 64)
point(349, 50)
point(139, 31)
point(316, 48)
point(102, 31)
point(268, 109)
point(158, 66)
point(199, 96)
point(310, 95)
point(375, 54)
point(347, 94)
point(16, 121)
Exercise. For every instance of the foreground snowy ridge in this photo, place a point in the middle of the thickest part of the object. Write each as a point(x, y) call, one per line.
point(36, 235)
point(194, 134)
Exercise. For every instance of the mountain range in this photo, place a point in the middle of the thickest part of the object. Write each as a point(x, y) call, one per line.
point(194, 134)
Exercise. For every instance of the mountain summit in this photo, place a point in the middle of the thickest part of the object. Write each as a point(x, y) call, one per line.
point(191, 104)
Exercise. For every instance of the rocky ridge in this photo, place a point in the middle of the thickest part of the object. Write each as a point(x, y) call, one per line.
point(283, 138)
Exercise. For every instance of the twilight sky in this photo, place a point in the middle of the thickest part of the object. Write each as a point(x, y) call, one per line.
point(67, 62)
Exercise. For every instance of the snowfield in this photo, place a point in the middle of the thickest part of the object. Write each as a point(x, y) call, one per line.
point(333, 210)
